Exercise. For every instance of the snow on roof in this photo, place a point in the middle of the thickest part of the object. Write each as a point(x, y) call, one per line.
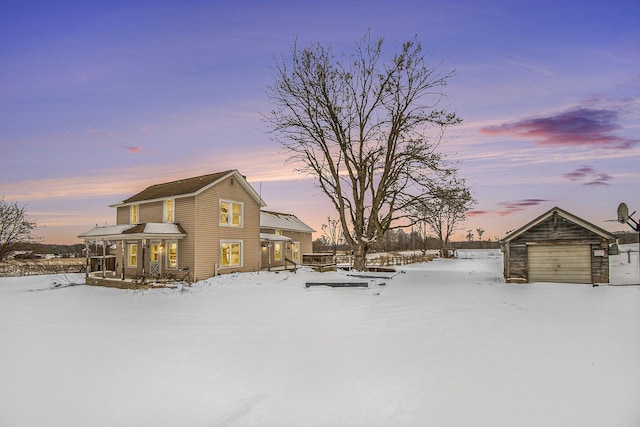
point(105, 230)
point(268, 237)
point(148, 229)
point(283, 221)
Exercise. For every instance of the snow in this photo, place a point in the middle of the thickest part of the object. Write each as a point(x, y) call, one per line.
point(446, 343)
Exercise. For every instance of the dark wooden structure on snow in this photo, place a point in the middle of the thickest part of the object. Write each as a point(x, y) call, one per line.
point(557, 247)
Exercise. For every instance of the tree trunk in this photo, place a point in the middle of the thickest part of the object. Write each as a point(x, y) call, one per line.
point(360, 257)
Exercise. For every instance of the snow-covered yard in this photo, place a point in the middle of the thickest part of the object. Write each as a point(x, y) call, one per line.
point(446, 343)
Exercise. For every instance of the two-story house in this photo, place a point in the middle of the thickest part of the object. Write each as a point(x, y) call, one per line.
point(208, 224)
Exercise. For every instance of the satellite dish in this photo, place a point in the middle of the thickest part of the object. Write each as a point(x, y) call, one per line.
point(623, 213)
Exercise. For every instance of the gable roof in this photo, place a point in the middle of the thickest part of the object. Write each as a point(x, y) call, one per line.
point(189, 187)
point(564, 214)
point(283, 221)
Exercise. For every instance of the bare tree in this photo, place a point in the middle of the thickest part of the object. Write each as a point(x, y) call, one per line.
point(359, 125)
point(332, 232)
point(480, 232)
point(445, 210)
point(15, 227)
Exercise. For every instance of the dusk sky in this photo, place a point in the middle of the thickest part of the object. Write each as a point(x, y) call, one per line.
point(100, 99)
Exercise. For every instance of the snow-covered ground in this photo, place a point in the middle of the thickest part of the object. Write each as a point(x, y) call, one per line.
point(446, 343)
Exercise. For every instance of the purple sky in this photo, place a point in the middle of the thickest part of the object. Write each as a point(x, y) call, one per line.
point(100, 99)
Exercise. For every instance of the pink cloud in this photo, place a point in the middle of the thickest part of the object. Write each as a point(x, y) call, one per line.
point(472, 214)
point(589, 176)
point(508, 208)
point(134, 150)
point(573, 128)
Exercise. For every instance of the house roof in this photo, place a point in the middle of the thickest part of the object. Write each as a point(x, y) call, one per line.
point(564, 214)
point(188, 187)
point(135, 231)
point(283, 221)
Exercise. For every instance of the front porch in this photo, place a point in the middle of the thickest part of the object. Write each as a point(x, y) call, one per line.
point(146, 255)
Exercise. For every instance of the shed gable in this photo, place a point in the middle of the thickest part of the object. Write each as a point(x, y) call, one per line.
point(557, 229)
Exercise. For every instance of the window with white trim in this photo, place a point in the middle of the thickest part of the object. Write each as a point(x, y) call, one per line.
point(172, 254)
point(231, 253)
point(133, 254)
point(133, 214)
point(168, 211)
point(231, 213)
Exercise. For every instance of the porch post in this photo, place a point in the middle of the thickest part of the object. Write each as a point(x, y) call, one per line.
point(122, 259)
point(143, 260)
point(104, 254)
point(86, 259)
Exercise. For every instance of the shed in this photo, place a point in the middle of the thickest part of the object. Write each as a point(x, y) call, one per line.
point(557, 246)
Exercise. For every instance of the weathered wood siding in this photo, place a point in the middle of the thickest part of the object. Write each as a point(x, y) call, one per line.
point(209, 233)
point(516, 263)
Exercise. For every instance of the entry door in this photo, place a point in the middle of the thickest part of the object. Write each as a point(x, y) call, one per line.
point(559, 263)
point(295, 252)
point(154, 262)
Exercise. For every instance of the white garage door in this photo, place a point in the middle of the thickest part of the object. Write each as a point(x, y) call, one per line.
point(559, 263)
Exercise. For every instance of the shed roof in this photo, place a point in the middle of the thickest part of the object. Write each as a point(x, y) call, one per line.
point(188, 187)
point(283, 221)
point(564, 214)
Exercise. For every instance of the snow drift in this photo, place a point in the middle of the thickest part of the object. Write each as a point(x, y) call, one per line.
point(446, 343)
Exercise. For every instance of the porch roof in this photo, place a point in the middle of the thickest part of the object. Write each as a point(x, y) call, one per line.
point(268, 237)
point(146, 230)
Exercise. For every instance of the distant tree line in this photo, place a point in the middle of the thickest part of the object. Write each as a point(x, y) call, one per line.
point(34, 250)
point(626, 237)
point(397, 240)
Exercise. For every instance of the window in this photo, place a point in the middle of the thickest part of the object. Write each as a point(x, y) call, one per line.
point(133, 210)
point(278, 232)
point(231, 254)
point(133, 255)
point(277, 252)
point(172, 255)
point(168, 211)
point(231, 213)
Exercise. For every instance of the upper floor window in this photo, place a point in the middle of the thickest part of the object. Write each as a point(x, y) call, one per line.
point(278, 232)
point(134, 218)
point(168, 210)
point(231, 213)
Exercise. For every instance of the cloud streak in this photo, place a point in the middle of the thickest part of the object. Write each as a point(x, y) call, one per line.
point(588, 176)
point(578, 127)
point(508, 208)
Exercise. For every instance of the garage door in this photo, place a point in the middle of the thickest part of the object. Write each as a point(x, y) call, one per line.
point(559, 263)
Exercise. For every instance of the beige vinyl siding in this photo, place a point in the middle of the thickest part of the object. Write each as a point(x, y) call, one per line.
point(559, 263)
point(305, 240)
point(209, 233)
point(123, 215)
point(185, 215)
point(151, 212)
